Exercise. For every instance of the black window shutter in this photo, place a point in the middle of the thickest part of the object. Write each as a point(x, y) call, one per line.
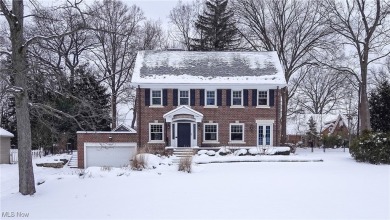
point(147, 97)
point(254, 97)
point(271, 97)
point(228, 97)
point(165, 97)
point(175, 97)
point(192, 97)
point(201, 99)
point(245, 97)
point(219, 97)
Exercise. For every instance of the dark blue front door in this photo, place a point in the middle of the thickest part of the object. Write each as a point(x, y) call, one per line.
point(184, 135)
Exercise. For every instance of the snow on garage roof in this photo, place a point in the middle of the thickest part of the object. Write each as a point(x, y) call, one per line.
point(194, 67)
point(4, 133)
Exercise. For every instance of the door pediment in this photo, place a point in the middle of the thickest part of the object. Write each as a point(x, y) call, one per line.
point(183, 112)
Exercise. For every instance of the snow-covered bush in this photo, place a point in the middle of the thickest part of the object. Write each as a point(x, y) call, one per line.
point(138, 162)
point(224, 151)
point(145, 161)
point(185, 164)
point(371, 147)
point(240, 152)
point(210, 153)
point(201, 152)
point(254, 151)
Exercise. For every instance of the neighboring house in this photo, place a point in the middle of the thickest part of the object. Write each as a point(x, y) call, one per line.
point(5, 146)
point(208, 99)
point(327, 124)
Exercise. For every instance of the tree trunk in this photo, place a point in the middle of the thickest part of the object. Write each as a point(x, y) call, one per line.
point(365, 122)
point(113, 110)
point(20, 71)
point(283, 127)
point(134, 113)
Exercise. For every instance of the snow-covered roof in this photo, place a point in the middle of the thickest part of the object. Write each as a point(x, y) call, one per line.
point(298, 123)
point(124, 128)
point(194, 67)
point(5, 133)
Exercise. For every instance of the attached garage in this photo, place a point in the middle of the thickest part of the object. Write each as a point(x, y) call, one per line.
point(108, 154)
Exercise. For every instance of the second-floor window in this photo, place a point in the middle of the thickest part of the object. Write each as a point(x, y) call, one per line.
point(210, 97)
point(262, 98)
point(237, 97)
point(184, 97)
point(156, 97)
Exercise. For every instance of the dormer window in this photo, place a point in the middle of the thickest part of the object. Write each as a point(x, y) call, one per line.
point(184, 97)
point(236, 97)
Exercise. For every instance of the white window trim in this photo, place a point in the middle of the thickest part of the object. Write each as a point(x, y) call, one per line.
point(266, 105)
point(204, 134)
point(151, 98)
point(178, 97)
point(205, 98)
point(243, 133)
point(242, 98)
point(150, 134)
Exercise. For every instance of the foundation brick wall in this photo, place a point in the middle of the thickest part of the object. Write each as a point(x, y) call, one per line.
point(100, 137)
point(223, 115)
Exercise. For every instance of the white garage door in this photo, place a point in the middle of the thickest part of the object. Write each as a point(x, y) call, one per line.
point(108, 154)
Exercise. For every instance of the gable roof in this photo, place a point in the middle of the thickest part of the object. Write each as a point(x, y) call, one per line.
point(124, 128)
point(195, 67)
point(4, 133)
point(298, 123)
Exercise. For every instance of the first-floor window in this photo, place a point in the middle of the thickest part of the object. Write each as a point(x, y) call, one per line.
point(156, 131)
point(236, 132)
point(211, 132)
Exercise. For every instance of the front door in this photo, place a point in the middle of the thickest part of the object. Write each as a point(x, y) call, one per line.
point(264, 135)
point(184, 134)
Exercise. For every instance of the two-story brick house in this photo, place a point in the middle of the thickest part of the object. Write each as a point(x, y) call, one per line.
point(208, 99)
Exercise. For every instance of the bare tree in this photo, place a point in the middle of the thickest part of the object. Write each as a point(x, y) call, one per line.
point(293, 28)
point(321, 91)
point(15, 19)
point(14, 14)
point(363, 26)
point(117, 32)
point(183, 17)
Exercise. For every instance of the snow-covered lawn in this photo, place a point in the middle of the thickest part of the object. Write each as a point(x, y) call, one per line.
point(338, 188)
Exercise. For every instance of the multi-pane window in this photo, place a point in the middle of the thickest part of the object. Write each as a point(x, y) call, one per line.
point(156, 132)
point(156, 97)
point(262, 98)
point(184, 97)
point(210, 97)
point(236, 132)
point(211, 132)
point(236, 97)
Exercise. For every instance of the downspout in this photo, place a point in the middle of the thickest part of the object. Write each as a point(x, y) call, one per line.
point(277, 116)
point(138, 104)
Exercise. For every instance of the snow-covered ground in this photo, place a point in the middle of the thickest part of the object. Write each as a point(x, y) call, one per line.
point(337, 188)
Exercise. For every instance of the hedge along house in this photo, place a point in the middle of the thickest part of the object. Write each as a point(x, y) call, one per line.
point(208, 99)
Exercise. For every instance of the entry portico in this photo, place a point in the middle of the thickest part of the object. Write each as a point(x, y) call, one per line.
point(184, 126)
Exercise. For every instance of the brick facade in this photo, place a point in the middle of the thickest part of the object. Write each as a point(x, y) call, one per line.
point(223, 115)
point(100, 137)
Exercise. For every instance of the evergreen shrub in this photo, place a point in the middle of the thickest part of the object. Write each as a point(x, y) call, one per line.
point(371, 147)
